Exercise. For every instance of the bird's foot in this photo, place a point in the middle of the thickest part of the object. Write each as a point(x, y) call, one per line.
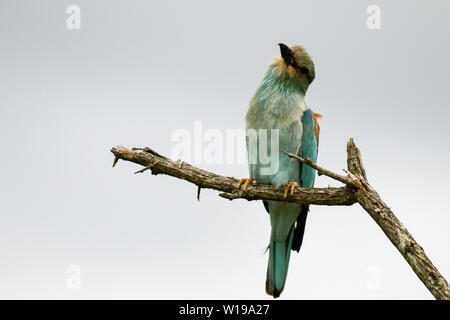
point(290, 186)
point(245, 182)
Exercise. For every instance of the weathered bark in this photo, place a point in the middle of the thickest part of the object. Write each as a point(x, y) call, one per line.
point(357, 189)
point(394, 229)
point(208, 180)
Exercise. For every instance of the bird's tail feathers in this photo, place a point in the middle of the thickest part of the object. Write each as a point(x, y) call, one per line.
point(279, 254)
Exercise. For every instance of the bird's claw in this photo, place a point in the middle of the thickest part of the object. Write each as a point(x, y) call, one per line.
point(245, 182)
point(290, 186)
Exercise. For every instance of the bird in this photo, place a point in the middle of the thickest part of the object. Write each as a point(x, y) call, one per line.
point(278, 107)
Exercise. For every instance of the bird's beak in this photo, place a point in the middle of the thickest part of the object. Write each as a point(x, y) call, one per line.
point(287, 54)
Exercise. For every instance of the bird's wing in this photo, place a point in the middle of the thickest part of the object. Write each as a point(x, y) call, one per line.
point(309, 147)
point(310, 139)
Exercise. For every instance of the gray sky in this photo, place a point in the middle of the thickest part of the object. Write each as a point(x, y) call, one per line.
point(138, 70)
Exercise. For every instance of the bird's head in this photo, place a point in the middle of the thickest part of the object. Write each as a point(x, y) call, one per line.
point(295, 66)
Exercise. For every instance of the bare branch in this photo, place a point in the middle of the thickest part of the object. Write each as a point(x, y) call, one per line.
point(350, 179)
point(153, 161)
point(357, 189)
point(394, 229)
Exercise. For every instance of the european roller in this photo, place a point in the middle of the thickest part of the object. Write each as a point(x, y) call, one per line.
point(278, 111)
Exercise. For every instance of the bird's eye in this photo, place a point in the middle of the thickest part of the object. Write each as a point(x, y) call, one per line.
point(304, 70)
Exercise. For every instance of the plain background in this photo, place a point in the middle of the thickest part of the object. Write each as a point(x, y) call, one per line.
point(138, 70)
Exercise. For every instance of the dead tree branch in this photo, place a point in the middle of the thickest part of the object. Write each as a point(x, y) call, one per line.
point(159, 164)
point(357, 189)
point(394, 229)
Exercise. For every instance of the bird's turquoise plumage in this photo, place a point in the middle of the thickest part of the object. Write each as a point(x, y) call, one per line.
point(278, 104)
point(309, 148)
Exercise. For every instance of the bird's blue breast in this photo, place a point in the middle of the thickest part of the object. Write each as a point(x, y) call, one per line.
point(276, 106)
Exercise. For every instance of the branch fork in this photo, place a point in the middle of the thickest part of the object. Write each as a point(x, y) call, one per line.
point(357, 190)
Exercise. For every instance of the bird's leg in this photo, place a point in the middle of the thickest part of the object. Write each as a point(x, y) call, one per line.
point(290, 186)
point(245, 182)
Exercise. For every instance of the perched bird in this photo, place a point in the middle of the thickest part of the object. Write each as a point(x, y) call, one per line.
point(279, 104)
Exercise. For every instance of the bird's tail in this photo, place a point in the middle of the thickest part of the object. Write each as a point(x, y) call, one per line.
point(279, 254)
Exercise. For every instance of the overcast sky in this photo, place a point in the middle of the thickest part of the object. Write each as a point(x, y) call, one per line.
point(136, 71)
